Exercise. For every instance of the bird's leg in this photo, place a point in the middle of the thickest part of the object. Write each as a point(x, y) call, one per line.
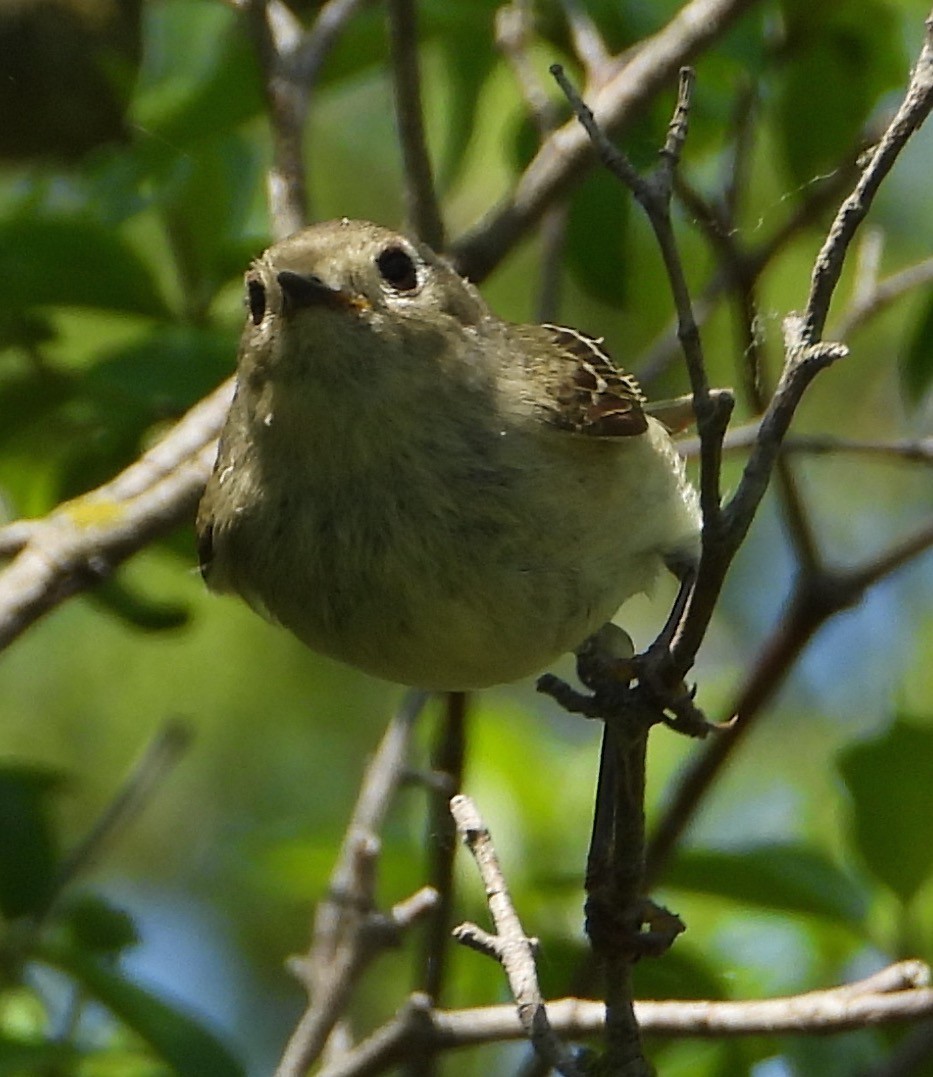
point(653, 667)
point(686, 573)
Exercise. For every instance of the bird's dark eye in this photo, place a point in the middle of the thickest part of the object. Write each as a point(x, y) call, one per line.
point(398, 269)
point(256, 299)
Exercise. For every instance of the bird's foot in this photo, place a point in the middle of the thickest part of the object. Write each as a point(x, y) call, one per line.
point(608, 665)
point(646, 930)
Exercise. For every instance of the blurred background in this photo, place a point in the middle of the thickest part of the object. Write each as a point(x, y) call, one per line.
point(131, 201)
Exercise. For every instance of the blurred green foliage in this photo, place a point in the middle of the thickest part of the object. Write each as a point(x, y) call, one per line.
point(119, 308)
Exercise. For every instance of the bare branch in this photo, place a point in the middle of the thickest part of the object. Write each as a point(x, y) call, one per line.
point(895, 995)
point(423, 210)
point(739, 438)
point(291, 61)
point(654, 195)
point(722, 234)
point(815, 599)
point(277, 33)
point(84, 540)
point(567, 152)
point(513, 33)
point(510, 945)
point(347, 933)
point(880, 296)
point(441, 840)
point(818, 195)
point(157, 760)
point(588, 44)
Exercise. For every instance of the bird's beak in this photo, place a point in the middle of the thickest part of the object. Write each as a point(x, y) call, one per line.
point(300, 290)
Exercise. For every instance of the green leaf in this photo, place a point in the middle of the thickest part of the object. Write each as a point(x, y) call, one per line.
point(175, 1037)
point(917, 367)
point(19, 1058)
point(206, 196)
point(200, 77)
point(74, 262)
point(137, 609)
point(28, 846)
point(681, 973)
point(166, 372)
point(841, 58)
point(892, 804)
point(29, 399)
point(468, 60)
point(95, 925)
point(784, 877)
point(597, 229)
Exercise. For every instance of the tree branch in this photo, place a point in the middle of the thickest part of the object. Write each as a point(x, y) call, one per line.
point(510, 945)
point(740, 438)
point(567, 152)
point(895, 995)
point(84, 540)
point(441, 840)
point(423, 210)
point(814, 600)
point(291, 60)
point(347, 933)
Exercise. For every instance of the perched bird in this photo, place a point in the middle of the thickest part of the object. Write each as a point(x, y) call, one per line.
point(420, 489)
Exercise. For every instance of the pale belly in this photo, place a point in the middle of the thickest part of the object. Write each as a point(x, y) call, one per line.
point(409, 582)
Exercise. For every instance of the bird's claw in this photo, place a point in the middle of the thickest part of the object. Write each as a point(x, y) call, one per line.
point(607, 664)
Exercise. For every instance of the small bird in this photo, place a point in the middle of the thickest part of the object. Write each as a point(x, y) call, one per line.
point(420, 489)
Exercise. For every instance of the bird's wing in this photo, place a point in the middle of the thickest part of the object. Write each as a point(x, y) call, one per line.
point(582, 390)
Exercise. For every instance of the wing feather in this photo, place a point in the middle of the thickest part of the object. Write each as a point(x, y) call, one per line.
point(584, 391)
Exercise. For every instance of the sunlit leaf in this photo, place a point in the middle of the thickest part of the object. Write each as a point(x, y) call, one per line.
point(200, 77)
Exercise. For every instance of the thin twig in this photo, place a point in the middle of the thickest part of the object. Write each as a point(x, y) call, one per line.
point(615, 866)
point(513, 32)
point(424, 212)
point(881, 295)
point(510, 945)
point(817, 196)
point(742, 438)
point(447, 768)
point(291, 60)
point(813, 602)
point(654, 195)
point(346, 932)
point(312, 50)
point(722, 234)
point(148, 773)
point(565, 155)
point(276, 33)
point(588, 44)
